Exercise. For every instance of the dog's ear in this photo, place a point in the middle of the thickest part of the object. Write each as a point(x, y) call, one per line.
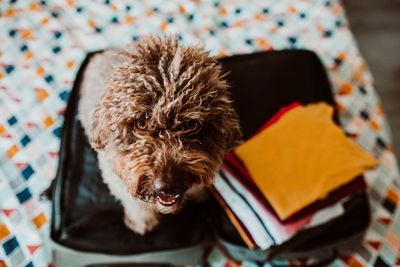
point(226, 123)
point(226, 120)
point(98, 132)
point(231, 128)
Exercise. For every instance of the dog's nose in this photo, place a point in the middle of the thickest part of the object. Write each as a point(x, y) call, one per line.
point(163, 188)
point(159, 185)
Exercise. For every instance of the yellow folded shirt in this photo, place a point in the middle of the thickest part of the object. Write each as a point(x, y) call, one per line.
point(301, 158)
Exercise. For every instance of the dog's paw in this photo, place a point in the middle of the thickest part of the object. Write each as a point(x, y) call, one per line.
point(141, 226)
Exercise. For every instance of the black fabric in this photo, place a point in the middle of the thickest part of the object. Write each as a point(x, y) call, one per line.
point(86, 217)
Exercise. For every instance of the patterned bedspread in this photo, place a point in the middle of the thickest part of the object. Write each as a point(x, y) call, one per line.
point(42, 44)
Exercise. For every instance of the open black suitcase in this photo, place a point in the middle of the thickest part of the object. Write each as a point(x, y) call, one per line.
point(87, 227)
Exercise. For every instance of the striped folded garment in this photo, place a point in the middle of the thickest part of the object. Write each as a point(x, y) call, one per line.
point(249, 206)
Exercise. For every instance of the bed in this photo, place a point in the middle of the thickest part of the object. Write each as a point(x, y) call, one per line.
point(44, 42)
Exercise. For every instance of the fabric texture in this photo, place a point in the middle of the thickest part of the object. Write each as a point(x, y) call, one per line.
point(245, 202)
point(44, 42)
point(254, 220)
point(236, 168)
point(301, 158)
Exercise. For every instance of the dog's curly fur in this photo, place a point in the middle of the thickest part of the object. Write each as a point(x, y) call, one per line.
point(181, 98)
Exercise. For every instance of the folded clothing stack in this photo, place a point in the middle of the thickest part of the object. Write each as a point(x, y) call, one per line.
point(294, 173)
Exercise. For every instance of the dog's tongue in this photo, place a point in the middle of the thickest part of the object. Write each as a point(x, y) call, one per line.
point(167, 200)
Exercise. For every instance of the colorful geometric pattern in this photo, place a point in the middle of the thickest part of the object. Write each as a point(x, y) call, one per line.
point(44, 42)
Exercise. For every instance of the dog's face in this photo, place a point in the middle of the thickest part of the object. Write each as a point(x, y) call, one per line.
point(165, 121)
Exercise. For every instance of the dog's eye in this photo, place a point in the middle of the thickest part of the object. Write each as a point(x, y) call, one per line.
point(141, 124)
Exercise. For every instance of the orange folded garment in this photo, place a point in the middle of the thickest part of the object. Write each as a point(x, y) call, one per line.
point(301, 158)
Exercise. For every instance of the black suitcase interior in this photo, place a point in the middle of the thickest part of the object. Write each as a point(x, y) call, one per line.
point(86, 217)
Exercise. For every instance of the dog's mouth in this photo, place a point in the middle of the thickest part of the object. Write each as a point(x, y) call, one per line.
point(167, 200)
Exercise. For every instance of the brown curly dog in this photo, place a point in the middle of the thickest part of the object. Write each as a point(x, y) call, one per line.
point(160, 118)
